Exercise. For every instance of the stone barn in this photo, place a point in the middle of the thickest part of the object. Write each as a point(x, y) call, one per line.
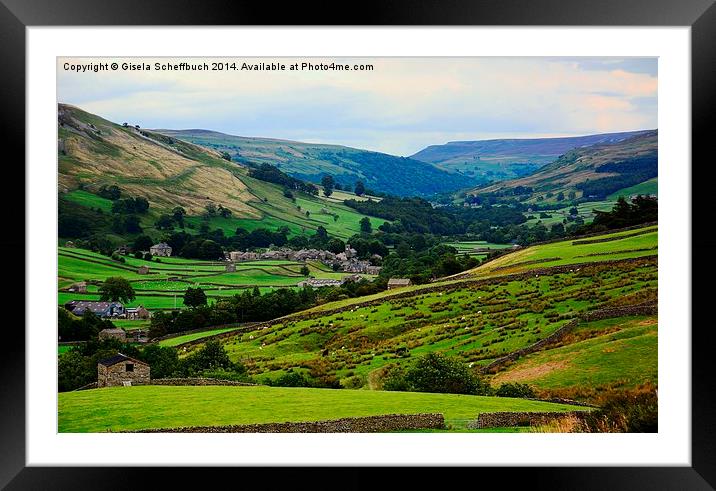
point(113, 334)
point(398, 283)
point(231, 268)
point(121, 370)
point(135, 313)
point(143, 270)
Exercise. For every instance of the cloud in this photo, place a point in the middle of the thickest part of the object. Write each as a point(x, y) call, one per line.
point(399, 107)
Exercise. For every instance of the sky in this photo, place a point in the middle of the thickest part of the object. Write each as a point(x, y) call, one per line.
point(399, 107)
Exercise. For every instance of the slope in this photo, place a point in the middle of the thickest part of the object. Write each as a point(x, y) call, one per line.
point(592, 172)
point(379, 171)
point(169, 172)
point(502, 159)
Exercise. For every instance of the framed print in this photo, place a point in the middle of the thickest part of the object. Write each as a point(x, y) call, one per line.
point(429, 238)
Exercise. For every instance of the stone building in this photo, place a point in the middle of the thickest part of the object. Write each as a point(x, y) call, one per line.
point(121, 370)
point(398, 283)
point(113, 334)
point(161, 249)
point(135, 313)
point(231, 268)
point(79, 287)
point(143, 270)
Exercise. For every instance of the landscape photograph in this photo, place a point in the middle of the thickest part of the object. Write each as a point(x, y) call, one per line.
point(357, 245)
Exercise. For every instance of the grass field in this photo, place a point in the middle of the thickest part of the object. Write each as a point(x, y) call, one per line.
point(621, 351)
point(193, 337)
point(647, 187)
point(134, 408)
point(155, 291)
point(474, 322)
point(560, 214)
point(90, 200)
point(625, 245)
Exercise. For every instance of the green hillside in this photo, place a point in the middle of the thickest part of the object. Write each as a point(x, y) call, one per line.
point(134, 408)
point(497, 160)
point(472, 319)
point(170, 172)
point(381, 172)
point(594, 172)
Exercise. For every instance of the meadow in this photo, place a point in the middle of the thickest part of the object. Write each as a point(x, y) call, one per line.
point(619, 352)
point(143, 407)
point(156, 290)
point(471, 320)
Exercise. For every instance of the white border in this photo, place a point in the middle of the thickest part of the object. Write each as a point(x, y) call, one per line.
point(672, 446)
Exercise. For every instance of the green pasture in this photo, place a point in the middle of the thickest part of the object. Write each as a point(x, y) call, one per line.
point(193, 337)
point(567, 252)
point(650, 187)
point(142, 407)
point(89, 200)
point(475, 323)
point(621, 351)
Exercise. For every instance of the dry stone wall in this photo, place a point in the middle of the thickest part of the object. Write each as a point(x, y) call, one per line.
point(197, 381)
point(506, 419)
point(368, 424)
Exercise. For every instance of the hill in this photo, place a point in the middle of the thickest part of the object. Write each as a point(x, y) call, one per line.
point(497, 309)
point(380, 172)
point(170, 172)
point(593, 172)
point(502, 159)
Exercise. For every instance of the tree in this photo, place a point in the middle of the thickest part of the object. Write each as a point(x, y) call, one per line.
point(165, 222)
point(359, 188)
point(328, 184)
point(142, 243)
point(305, 271)
point(210, 209)
point(116, 289)
point(194, 297)
point(365, 225)
point(178, 214)
point(435, 372)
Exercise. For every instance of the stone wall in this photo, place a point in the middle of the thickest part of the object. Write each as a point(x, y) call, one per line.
point(117, 374)
point(368, 424)
point(642, 309)
point(197, 381)
point(506, 419)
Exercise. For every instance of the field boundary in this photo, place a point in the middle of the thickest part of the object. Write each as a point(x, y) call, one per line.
point(366, 424)
point(507, 419)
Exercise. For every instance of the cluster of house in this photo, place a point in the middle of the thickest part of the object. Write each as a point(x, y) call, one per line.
point(343, 261)
point(107, 310)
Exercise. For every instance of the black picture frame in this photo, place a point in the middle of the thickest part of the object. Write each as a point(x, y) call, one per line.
point(700, 15)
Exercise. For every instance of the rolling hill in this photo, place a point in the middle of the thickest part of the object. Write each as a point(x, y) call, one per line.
point(308, 161)
point(502, 159)
point(170, 172)
point(494, 310)
point(593, 172)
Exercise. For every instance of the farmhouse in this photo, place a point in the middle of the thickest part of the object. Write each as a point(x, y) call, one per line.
point(398, 283)
point(113, 334)
point(121, 370)
point(139, 312)
point(102, 309)
point(161, 249)
point(143, 270)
